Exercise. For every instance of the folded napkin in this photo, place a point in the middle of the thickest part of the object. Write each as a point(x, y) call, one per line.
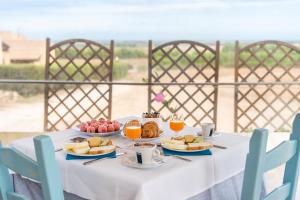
point(72, 157)
point(197, 153)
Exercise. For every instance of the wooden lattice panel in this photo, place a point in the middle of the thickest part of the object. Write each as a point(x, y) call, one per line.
point(268, 106)
point(185, 62)
point(77, 60)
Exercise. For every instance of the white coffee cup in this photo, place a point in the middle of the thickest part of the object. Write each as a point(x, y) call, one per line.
point(145, 153)
point(208, 129)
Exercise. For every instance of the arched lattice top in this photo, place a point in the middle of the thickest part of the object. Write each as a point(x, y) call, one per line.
point(183, 61)
point(79, 60)
point(267, 61)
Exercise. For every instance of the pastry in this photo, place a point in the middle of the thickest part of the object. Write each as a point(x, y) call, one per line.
point(93, 145)
point(100, 126)
point(150, 130)
point(94, 141)
point(106, 142)
point(187, 142)
point(189, 138)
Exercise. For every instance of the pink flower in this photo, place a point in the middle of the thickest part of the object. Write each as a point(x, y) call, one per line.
point(159, 97)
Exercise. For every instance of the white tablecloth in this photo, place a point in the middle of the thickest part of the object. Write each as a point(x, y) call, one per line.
point(176, 179)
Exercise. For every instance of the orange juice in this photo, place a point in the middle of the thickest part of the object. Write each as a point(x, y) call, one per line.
point(133, 132)
point(176, 125)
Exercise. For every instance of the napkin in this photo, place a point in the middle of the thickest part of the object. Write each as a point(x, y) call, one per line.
point(72, 157)
point(197, 153)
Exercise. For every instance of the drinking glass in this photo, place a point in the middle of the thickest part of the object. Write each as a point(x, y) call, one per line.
point(133, 130)
point(176, 123)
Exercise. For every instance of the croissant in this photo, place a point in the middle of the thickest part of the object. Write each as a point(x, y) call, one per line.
point(150, 130)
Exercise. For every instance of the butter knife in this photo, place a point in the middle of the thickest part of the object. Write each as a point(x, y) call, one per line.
point(105, 158)
point(219, 146)
point(179, 157)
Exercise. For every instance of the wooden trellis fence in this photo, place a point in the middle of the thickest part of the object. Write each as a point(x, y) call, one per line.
point(184, 62)
point(77, 60)
point(266, 105)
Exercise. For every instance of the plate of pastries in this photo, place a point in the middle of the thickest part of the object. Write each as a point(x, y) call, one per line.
point(150, 131)
point(101, 127)
point(93, 146)
point(186, 143)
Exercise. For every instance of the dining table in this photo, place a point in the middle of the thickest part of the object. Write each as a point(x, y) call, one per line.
point(205, 177)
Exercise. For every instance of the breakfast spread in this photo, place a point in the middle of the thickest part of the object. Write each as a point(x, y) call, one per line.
point(92, 145)
point(100, 126)
point(186, 143)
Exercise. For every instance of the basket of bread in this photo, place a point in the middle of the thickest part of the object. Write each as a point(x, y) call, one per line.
point(92, 146)
point(101, 127)
point(186, 143)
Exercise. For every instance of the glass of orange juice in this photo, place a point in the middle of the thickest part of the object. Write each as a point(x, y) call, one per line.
point(133, 130)
point(176, 123)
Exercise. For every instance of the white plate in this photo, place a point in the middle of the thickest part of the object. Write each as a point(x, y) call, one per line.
point(100, 134)
point(185, 151)
point(130, 161)
point(86, 155)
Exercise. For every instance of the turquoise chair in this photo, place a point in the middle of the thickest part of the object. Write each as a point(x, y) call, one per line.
point(259, 161)
point(44, 170)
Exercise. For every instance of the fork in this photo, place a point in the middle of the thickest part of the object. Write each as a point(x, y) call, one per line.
point(105, 158)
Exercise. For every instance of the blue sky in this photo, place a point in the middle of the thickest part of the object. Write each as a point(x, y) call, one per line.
point(153, 19)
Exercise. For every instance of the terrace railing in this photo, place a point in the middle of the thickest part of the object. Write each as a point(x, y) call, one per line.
point(266, 82)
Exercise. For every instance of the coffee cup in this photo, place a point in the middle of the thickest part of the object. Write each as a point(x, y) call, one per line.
point(145, 153)
point(208, 129)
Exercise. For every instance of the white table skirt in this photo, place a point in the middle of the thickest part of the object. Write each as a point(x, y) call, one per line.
point(229, 189)
point(176, 179)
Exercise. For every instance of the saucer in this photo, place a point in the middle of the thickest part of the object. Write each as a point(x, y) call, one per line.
point(130, 161)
